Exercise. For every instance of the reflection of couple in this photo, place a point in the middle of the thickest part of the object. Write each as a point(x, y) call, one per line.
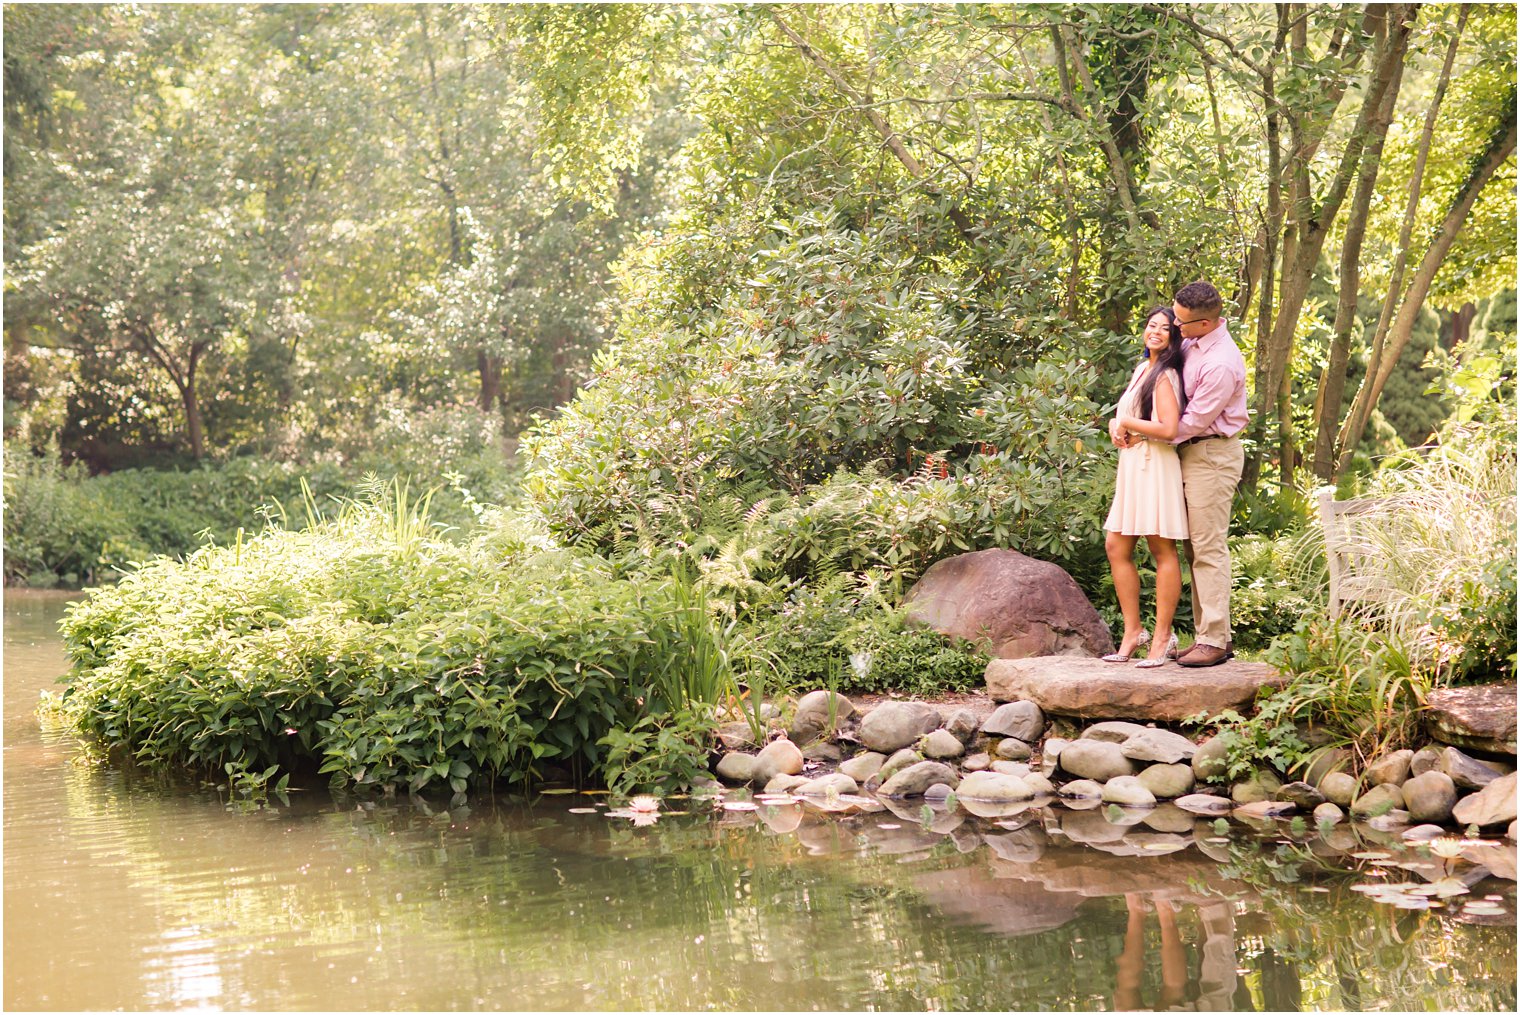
point(1211, 989)
point(1178, 428)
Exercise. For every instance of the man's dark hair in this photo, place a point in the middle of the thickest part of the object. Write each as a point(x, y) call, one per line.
point(1200, 296)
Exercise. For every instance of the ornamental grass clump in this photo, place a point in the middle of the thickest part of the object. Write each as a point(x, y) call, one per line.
point(1440, 548)
point(370, 648)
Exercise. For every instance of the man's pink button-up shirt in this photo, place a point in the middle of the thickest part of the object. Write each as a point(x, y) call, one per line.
point(1214, 377)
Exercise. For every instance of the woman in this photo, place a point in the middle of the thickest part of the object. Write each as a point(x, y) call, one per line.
point(1148, 494)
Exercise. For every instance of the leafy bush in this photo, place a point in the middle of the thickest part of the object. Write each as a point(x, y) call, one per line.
point(372, 649)
point(59, 527)
point(1277, 583)
point(65, 526)
point(888, 655)
point(888, 407)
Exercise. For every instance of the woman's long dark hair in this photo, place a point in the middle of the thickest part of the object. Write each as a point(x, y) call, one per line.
point(1171, 359)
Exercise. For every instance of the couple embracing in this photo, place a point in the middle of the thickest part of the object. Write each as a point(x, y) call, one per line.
point(1177, 428)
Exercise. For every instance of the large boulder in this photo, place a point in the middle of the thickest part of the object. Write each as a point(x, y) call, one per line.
point(1392, 769)
point(1167, 781)
point(1128, 791)
point(1211, 759)
point(1095, 759)
point(735, 768)
point(779, 757)
point(1494, 804)
point(915, 779)
point(1022, 720)
point(1377, 801)
point(893, 725)
point(1430, 796)
point(1091, 688)
point(863, 766)
point(1481, 718)
point(818, 714)
point(993, 787)
point(1010, 605)
point(1159, 745)
point(942, 744)
point(1469, 772)
point(835, 783)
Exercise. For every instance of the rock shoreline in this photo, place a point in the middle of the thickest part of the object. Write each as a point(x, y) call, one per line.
point(825, 748)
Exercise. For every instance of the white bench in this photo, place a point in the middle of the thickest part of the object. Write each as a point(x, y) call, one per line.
point(1343, 551)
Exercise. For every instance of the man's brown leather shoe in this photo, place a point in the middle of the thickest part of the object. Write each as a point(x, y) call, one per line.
point(1204, 655)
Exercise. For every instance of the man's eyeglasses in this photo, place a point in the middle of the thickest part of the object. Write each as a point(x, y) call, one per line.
point(1197, 320)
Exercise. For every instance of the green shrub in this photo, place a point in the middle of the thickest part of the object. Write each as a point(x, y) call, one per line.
point(886, 406)
point(659, 752)
point(64, 526)
point(377, 652)
point(1277, 583)
point(59, 526)
point(888, 655)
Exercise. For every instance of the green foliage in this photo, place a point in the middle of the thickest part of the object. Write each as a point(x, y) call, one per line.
point(376, 652)
point(1269, 737)
point(1477, 625)
point(889, 655)
point(1359, 686)
point(942, 421)
point(63, 526)
point(592, 74)
point(659, 752)
point(1434, 547)
point(1276, 583)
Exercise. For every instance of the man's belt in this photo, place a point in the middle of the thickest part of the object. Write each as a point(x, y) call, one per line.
point(1204, 437)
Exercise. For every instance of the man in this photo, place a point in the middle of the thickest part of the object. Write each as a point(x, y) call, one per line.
point(1208, 444)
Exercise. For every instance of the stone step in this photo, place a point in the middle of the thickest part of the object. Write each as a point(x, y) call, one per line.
point(1094, 689)
point(1479, 718)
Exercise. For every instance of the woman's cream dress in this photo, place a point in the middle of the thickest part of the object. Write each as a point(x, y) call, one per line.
point(1148, 493)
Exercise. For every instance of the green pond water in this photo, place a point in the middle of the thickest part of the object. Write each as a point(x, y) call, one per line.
point(125, 890)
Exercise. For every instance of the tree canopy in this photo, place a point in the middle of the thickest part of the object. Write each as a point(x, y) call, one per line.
point(244, 227)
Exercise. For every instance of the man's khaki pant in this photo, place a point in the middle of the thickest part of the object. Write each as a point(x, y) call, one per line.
point(1210, 473)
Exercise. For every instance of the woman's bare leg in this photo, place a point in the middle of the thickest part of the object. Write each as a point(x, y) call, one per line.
point(1168, 590)
point(1131, 965)
point(1121, 561)
point(1173, 958)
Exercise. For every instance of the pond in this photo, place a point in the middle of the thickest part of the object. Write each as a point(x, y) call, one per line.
point(133, 891)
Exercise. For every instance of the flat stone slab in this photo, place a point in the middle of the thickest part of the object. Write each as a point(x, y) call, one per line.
point(1093, 689)
point(1480, 718)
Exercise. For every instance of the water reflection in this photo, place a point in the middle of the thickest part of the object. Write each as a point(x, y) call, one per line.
point(127, 891)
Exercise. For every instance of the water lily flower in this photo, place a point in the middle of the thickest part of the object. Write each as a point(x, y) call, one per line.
point(1447, 848)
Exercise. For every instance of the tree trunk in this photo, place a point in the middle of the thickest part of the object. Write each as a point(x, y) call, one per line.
point(1273, 228)
point(1501, 147)
point(1461, 326)
point(191, 401)
point(1287, 452)
point(1332, 380)
point(1309, 225)
point(489, 368)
